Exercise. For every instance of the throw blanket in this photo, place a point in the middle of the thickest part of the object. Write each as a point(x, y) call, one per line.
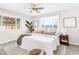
point(19, 40)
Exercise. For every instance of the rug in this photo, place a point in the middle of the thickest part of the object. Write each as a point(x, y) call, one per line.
point(14, 50)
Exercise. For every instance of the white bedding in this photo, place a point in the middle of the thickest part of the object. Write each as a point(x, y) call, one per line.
point(56, 37)
point(40, 41)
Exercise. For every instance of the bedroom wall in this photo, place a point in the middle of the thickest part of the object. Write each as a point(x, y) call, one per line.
point(72, 32)
point(10, 35)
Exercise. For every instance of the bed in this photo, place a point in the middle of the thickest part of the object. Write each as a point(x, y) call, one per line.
point(47, 43)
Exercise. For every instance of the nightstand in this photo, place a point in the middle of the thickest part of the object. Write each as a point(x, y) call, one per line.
point(64, 39)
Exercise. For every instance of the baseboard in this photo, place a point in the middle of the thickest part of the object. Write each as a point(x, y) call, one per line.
point(7, 41)
point(75, 43)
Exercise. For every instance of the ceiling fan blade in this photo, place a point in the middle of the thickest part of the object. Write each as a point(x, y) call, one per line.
point(37, 8)
point(40, 8)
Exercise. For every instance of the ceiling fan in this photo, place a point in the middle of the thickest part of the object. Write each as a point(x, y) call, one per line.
point(35, 8)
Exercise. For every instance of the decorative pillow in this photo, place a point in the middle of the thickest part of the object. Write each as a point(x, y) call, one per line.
point(38, 30)
point(42, 30)
point(50, 31)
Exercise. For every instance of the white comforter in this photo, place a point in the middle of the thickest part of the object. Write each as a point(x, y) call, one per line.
point(40, 41)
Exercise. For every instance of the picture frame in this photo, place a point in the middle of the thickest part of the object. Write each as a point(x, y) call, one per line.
point(35, 23)
point(70, 22)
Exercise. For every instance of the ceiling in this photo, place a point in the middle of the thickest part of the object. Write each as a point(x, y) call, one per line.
point(22, 8)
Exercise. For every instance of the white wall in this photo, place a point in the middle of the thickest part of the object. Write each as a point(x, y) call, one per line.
point(10, 35)
point(73, 32)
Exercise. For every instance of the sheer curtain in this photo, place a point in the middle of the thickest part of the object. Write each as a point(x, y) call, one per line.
point(49, 23)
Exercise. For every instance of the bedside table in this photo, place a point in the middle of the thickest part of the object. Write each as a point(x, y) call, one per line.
point(64, 39)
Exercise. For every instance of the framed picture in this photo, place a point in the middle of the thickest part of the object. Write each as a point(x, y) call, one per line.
point(70, 22)
point(35, 23)
point(8, 21)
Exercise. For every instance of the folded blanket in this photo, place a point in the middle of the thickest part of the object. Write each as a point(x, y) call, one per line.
point(19, 40)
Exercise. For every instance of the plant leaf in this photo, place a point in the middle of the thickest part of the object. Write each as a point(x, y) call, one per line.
point(31, 23)
point(28, 22)
point(28, 26)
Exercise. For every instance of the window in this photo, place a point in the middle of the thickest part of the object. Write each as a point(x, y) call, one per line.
point(9, 23)
point(47, 22)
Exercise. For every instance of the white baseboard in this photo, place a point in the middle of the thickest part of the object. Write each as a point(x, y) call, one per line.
point(74, 43)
